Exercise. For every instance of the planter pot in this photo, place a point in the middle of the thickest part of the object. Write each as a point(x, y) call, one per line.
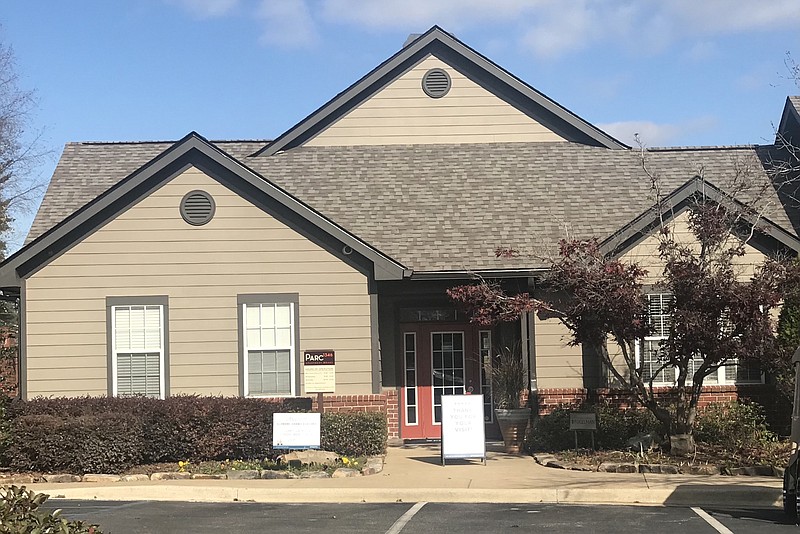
point(513, 424)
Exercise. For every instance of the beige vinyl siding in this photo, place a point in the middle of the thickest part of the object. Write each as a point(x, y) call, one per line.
point(150, 250)
point(558, 365)
point(646, 253)
point(401, 113)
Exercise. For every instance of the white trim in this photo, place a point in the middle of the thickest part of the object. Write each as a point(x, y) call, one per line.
point(405, 382)
point(291, 348)
point(114, 352)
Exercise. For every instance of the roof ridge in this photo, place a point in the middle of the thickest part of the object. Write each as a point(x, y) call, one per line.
point(101, 143)
point(704, 147)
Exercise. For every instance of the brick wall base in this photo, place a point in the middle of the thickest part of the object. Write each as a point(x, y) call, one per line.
point(764, 394)
point(385, 402)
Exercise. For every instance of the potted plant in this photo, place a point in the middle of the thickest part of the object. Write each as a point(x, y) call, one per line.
point(508, 383)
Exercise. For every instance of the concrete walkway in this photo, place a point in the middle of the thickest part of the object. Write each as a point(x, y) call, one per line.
point(415, 473)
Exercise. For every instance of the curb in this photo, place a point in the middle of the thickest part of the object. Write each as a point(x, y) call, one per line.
point(695, 495)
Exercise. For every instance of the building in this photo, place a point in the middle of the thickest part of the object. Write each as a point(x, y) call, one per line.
point(211, 267)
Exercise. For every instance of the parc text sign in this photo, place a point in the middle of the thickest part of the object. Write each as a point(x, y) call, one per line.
point(319, 371)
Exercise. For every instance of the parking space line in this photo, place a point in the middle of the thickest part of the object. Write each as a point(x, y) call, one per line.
point(405, 518)
point(719, 527)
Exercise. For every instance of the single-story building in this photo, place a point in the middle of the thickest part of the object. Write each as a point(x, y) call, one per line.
point(210, 267)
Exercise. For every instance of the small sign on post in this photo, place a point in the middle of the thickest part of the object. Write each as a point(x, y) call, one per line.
point(296, 431)
point(463, 433)
point(582, 421)
point(319, 373)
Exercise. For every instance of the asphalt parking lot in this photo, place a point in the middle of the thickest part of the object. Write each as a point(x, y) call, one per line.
point(143, 517)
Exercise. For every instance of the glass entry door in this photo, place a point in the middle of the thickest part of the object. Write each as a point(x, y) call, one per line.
point(438, 360)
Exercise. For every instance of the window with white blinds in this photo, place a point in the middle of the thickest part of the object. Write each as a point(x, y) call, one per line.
point(269, 348)
point(138, 350)
point(659, 316)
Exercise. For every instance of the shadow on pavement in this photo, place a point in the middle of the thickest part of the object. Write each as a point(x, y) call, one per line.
point(735, 495)
point(773, 515)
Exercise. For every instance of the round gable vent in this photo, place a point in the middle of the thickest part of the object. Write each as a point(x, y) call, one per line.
point(197, 207)
point(436, 83)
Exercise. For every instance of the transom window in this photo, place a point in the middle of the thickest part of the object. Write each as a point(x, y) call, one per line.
point(138, 350)
point(659, 316)
point(269, 348)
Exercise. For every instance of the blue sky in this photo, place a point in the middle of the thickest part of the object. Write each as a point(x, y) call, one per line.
point(678, 72)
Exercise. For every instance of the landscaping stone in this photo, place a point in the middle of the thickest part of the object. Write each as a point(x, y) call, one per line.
point(245, 474)
point(100, 477)
point(667, 469)
point(627, 468)
point(367, 471)
point(345, 472)
point(314, 474)
point(311, 456)
point(554, 464)
point(607, 467)
point(273, 474)
point(700, 470)
point(134, 478)
point(650, 468)
point(206, 476)
point(758, 471)
point(171, 475)
point(395, 442)
point(734, 471)
point(61, 478)
point(778, 471)
point(375, 462)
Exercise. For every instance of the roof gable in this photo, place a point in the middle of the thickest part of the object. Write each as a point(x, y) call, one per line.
point(768, 238)
point(469, 63)
point(789, 127)
point(194, 150)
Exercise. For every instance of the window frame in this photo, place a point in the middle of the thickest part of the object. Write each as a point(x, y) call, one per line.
point(293, 299)
point(720, 376)
point(162, 301)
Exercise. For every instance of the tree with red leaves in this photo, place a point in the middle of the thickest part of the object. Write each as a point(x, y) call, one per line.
point(718, 317)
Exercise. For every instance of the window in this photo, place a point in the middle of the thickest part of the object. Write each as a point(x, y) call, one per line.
point(648, 351)
point(660, 319)
point(138, 342)
point(269, 341)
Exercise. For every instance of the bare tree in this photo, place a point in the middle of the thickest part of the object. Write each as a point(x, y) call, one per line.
point(21, 149)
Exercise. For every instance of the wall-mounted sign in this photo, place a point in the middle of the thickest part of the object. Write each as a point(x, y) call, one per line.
point(295, 430)
point(319, 371)
point(463, 434)
point(582, 421)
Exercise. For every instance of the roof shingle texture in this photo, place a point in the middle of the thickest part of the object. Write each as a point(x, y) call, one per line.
point(441, 207)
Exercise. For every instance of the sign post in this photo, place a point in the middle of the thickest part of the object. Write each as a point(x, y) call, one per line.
point(582, 421)
point(463, 433)
point(319, 373)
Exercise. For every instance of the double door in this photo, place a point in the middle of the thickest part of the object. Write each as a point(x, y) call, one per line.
point(438, 359)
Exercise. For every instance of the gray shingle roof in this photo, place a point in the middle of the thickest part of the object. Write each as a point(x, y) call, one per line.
point(440, 207)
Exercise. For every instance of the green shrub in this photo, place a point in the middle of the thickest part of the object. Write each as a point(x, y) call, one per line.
point(614, 428)
point(354, 434)
point(551, 432)
point(19, 513)
point(101, 434)
point(733, 426)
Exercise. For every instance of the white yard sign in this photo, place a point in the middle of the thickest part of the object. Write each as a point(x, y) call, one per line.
point(295, 430)
point(463, 433)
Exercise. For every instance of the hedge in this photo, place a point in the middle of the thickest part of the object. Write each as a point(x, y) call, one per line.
point(110, 435)
point(354, 434)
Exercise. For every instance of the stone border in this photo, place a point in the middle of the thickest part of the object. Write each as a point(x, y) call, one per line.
point(548, 460)
point(373, 466)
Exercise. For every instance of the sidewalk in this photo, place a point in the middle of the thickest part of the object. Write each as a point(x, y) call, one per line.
point(415, 473)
